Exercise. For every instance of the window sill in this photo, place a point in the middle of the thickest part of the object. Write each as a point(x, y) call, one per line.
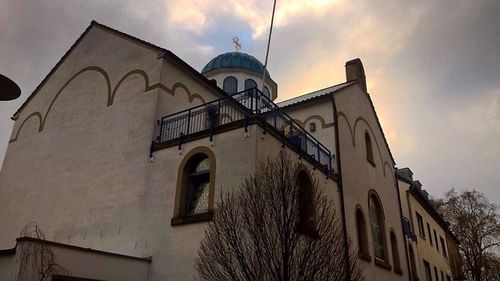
point(382, 263)
point(398, 271)
point(192, 219)
point(365, 257)
point(371, 162)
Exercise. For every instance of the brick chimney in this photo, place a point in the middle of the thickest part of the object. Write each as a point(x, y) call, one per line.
point(354, 71)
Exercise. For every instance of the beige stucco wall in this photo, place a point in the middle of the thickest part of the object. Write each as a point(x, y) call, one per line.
point(319, 112)
point(406, 210)
point(87, 179)
point(70, 176)
point(425, 250)
point(80, 165)
point(184, 90)
point(359, 176)
point(176, 247)
point(269, 146)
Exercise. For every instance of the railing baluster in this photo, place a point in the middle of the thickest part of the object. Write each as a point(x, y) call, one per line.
point(319, 156)
point(242, 106)
point(188, 122)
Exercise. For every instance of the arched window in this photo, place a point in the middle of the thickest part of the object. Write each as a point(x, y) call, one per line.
point(230, 85)
point(413, 266)
point(251, 87)
point(250, 83)
point(305, 199)
point(377, 227)
point(369, 149)
point(195, 187)
point(364, 252)
point(395, 253)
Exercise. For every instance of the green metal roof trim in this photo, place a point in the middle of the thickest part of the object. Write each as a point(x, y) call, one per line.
point(236, 60)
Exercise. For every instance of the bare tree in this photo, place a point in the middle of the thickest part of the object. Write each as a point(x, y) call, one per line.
point(35, 259)
point(491, 267)
point(475, 223)
point(263, 232)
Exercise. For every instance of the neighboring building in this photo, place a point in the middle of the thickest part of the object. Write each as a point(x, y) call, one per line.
point(120, 153)
point(432, 248)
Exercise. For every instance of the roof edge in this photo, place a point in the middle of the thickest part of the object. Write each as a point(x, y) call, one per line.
point(15, 116)
point(93, 23)
point(381, 129)
point(78, 248)
point(343, 85)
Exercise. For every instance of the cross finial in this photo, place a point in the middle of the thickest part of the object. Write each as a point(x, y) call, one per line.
point(236, 44)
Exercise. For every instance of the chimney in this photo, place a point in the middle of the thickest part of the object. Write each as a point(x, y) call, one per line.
point(354, 71)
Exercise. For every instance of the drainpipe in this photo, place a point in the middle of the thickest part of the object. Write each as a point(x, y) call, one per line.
point(341, 188)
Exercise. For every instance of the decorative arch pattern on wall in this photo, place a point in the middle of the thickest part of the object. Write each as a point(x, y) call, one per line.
point(362, 233)
point(110, 93)
point(352, 131)
point(35, 114)
point(320, 119)
point(90, 68)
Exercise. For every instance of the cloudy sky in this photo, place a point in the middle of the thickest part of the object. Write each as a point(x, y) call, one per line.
point(433, 67)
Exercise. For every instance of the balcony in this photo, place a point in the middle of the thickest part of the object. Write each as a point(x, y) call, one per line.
point(240, 110)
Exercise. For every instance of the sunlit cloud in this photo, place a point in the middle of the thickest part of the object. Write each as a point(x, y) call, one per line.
point(187, 14)
point(430, 65)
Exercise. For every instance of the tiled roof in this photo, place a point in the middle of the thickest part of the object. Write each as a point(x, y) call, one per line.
point(236, 60)
point(315, 94)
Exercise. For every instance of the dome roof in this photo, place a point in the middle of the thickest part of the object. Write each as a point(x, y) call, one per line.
point(235, 60)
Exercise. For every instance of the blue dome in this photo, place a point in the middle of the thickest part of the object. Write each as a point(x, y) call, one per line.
point(235, 60)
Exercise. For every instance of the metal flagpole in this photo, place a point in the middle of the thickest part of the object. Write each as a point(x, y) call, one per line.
point(267, 51)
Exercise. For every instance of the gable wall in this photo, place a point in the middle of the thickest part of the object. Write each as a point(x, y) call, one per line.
point(355, 116)
point(77, 174)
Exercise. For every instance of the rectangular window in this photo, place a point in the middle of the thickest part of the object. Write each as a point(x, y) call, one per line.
point(420, 223)
point(448, 278)
point(436, 273)
point(428, 273)
point(429, 232)
point(442, 275)
point(436, 239)
point(443, 247)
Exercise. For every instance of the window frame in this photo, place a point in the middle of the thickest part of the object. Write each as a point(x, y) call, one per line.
point(396, 261)
point(180, 215)
point(251, 81)
point(381, 261)
point(369, 149)
point(420, 224)
point(427, 270)
point(413, 263)
point(306, 223)
point(444, 252)
point(362, 234)
point(430, 233)
point(227, 80)
point(435, 240)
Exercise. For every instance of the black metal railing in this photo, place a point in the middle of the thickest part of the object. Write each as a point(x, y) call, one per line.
point(238, 107)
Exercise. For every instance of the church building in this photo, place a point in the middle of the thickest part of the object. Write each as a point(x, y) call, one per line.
point(122, 151)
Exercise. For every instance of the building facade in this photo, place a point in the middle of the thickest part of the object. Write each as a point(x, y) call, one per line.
point(432, 248)
point(121, 152)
